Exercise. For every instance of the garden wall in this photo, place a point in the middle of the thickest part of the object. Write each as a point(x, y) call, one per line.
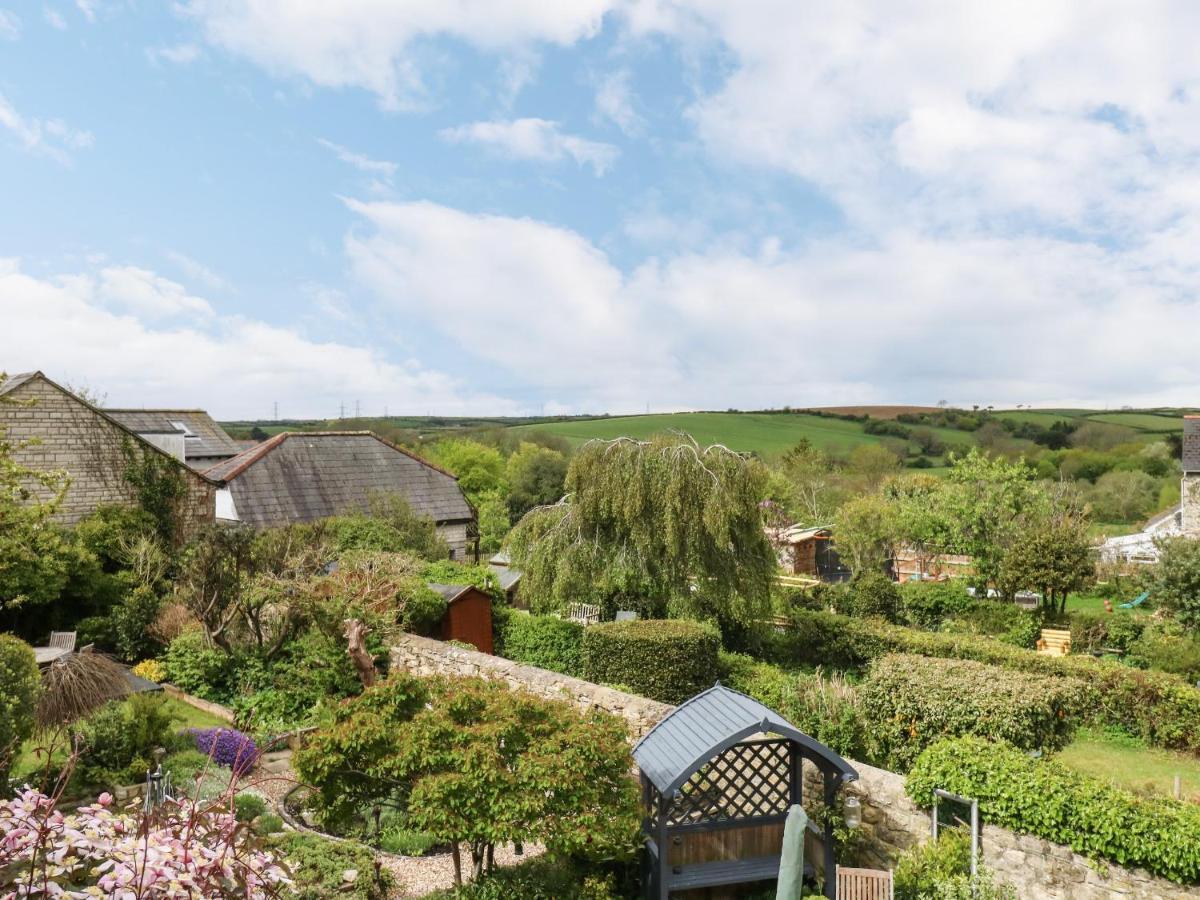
point(892, 823)
point(424, 656)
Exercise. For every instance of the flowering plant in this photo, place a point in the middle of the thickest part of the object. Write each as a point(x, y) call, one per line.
point(227, 747)
point(182, 850)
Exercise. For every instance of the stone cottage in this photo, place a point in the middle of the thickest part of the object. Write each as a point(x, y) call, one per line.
point(53, 429)
point(1190, 493)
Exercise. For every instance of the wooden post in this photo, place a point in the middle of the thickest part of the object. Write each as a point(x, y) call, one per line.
point(1178, 789)
point(831, 787)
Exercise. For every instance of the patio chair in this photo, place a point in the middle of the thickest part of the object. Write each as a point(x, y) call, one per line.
point(864, 884)
point(63, 640)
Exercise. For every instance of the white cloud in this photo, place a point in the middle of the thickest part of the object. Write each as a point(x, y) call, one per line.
point(614, 102)
point(197, 271)
point(10, 25)
point(54, 19)
point(980, 319)
point(177, 54)
point(50, 137)
point(148, 295)
point(231, 365)
point(360, 161)
point(370, 43)
point(88, 8)
point(534, 139)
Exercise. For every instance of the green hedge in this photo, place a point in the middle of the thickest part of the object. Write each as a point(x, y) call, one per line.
point(20, 688)
point(544, 641)
point(1161, 708)
point(1102, 631)
point(666, 659)
point(914, 701)
point(1042, 798)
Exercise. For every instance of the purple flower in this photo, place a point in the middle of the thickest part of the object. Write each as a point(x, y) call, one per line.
point(227, 747)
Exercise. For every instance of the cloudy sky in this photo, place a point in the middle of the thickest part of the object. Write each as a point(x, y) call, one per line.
point(464, 206)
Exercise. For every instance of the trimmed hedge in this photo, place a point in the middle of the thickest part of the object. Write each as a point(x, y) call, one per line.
point(1102, 630)
point(667, 660)
point(1161, 708)
point(1043, 798)
point(547, 642)
point(914, 701)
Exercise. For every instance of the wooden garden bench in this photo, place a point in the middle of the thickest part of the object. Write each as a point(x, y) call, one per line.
point(586, 613)
point(1055, 642)
point(863, 884)
point(63, 640)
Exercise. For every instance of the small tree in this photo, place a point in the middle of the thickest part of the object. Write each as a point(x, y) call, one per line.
point(1176, 580)
point(473, 762)
point(867, 533)
point(1052, 556)
point(664, 520)
point(20, 688)
point(535, 477)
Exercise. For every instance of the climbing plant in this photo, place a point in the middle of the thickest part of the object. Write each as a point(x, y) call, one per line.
point(159, 486)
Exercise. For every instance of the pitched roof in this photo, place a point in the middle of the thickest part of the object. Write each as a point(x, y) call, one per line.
point(1191, 443)
point(452, 592)
point(304, 476)
point(15, 381)
point(204, 437)
point(506, 576)
point(710, 723)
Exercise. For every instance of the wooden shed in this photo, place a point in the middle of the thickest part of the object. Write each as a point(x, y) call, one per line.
point(468, 615)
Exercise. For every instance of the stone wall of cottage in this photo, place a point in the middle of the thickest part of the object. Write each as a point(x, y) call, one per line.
point(462, 545)
point(425, 656)
point(1190, 505)
point(1038, 869)
point(69, 435)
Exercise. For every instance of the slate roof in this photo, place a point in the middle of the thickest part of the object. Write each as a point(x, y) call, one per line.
point(205, 438)
point(711, 722)
point(451, 592)
point(507, 577)
point(1191, 443)
point(12, 382)
point(304, 476)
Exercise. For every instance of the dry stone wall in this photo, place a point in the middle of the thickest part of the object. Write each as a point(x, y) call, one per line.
point(892, 823)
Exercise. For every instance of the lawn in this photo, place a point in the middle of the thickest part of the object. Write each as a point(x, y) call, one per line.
point(1130, 764)
point(1140, 421)
point(1093, 603)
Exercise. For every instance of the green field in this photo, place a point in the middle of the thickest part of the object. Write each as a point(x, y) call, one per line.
point(1130, 764)
point(768, 434)
point(1142, 421)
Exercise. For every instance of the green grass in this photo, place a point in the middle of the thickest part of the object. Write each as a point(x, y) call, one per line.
point(1095, 604)
point(1129, 763)
point(1140, 421)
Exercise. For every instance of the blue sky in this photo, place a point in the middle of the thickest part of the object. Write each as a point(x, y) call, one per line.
point(601, 205)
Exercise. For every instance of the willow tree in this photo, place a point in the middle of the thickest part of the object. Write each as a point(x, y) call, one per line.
point(661, 525)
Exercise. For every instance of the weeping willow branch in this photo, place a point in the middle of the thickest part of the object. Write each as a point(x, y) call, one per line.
point(665, 521)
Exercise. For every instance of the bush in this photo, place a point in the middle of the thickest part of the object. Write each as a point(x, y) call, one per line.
point(269, 823)
point(248, 806)
point(826, 708)
point(873, 594)
point(20, 688)
point(151, 670)
point(1167, 647)
point(1094, 631)
point(184, 765)
point(227, 747)
point(406, 841)
point(318, 866)
point(665, 659)
point(542, 878)
point(926, 604)
point(547, 642)
point(120, 738)
point(941, 870)
point(914, 701)
point(992, 618)
point(1043, 798)
point(1161, 708)
point(192, 665)
point(423, 610)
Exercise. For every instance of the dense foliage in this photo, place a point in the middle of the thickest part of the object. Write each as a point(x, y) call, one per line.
point(1176, 585)
point(20, 686)
point(941, 870)
point(541, 878)
point(1045, 799)
point(319, 868)
point(547, 642)
point(668, 660)
point(471, 761)
point(1157, 706)
point(665, 522)
point(119, 740)
point(227, 747)
point(913, 701)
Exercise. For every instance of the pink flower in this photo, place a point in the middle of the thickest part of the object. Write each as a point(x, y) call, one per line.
point(104, 799)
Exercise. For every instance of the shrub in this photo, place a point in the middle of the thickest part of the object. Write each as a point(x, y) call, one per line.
point(269, 823)
point(873, 594)
point(20, 687)
point(1161, 708)
point(1093, 631)
point(1043, 798)
point(926, 604)
point(192, 665)
point(423, 609)
point(941, 870)
point(151, 670)
point(826, 708)
point(319, 865)
point(120, 738)
point(406, 841)
point(1004, 621)
point(541, 878)
point(666, 659)
point(130, 621)
point(184, 765)
point(914, 701)
point(227, 747)
point(544, 641)
point(248, 806)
